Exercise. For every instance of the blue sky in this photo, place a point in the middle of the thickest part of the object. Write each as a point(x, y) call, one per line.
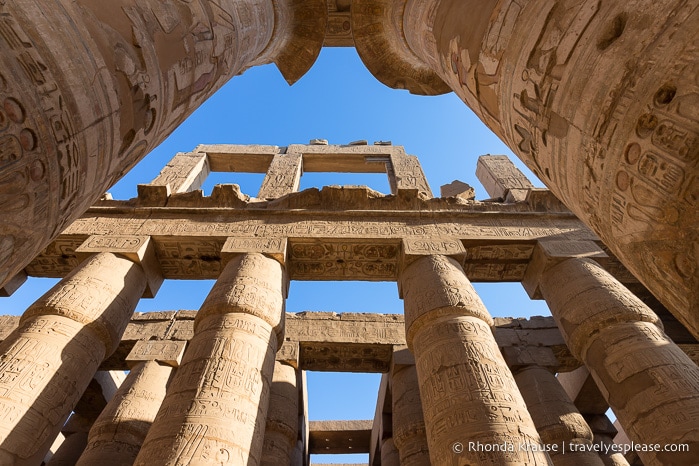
point(340, 101)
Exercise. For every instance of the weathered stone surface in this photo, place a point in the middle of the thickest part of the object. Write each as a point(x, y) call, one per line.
point(281, 429)
point(556, 418)
point(621, 342)
point(409, 435)
point(616, 142)
point(118, 433)
point(82, 79)
point(499, 176)
point(458, 189)
point(447, 326)
point(50, 359)
point(219, 396)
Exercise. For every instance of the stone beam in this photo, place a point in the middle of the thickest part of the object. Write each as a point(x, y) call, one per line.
point(327, 244)
point(339, 437)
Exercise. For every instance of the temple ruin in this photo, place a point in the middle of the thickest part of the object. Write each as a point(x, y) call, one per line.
point(225, 384)
point(598, 99)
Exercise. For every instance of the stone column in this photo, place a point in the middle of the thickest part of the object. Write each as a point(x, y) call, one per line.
point(281, 429)
point(119, 431)
point(409, 434)
point(46, 363)
point(604, 431)
point(558, 421)
point(468, 393)
point(74, 443)
point(650, 383)
point(216, 406)
point(88, 88)
point(597, 98)
point(389, 454)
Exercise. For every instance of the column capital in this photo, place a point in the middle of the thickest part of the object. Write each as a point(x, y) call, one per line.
point(548, 253)
point(138, 249)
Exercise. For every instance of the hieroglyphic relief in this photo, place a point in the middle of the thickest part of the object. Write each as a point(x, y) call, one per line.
point(283, 176)
point(333, 260)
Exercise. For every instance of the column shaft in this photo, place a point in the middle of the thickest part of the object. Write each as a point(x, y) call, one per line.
point(87, 88)
point(281, 429)
point(614, 78)
point(650, 383)
point(119, 431)
point(409, 435)
point(216, 406)
point(46, 363)
point(389, 454)
point(469, 395)
point(556, 418)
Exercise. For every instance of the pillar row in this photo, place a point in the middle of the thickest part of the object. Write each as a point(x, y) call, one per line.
point(216, 406)
point(649, 382)
point(409, 435)
point(468, 393)
point(556, 418)
point(281, 429)
point(49, 360)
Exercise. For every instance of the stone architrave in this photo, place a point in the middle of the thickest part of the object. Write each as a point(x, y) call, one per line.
point(283, 176)
point(389, 454)
point(186, 172)
point(556, 418)
point(652, 386)
point(597, 98)
point(118, 433)
point(216, 406)
point(405, 174)
point(281, 429)
point(87, 88)
point(468, 393)
point(49, 360)
point(409, 435)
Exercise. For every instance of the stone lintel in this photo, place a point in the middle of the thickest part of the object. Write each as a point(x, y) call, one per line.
point(167, 352)
point(499, 175)
point(339, 437)
point(548, 253)
point(137, 248)
point(13, 284)
point(271, 247)
point(288, 353)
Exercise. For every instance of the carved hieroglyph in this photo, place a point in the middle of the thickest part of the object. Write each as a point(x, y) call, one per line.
point(216, 406)
point(281, 429)
point(119, 431)
point(652, 386)
point(599, 99)
point(47, 363)
point(87, 88)
point(468, 393)
point(409, 434)
point(556, 418)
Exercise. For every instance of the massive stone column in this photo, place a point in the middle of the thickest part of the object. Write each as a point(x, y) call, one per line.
point(46, 363)
point(118, 433)
point(87, 88)
point(650, 383)
point(599, 99)
point(389, 453)
point(281, 429)
point(409, 435)
point(556, 418)
point(469, 395)
point(216, 406)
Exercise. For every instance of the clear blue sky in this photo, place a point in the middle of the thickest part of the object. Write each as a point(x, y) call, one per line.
point(340, 101)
